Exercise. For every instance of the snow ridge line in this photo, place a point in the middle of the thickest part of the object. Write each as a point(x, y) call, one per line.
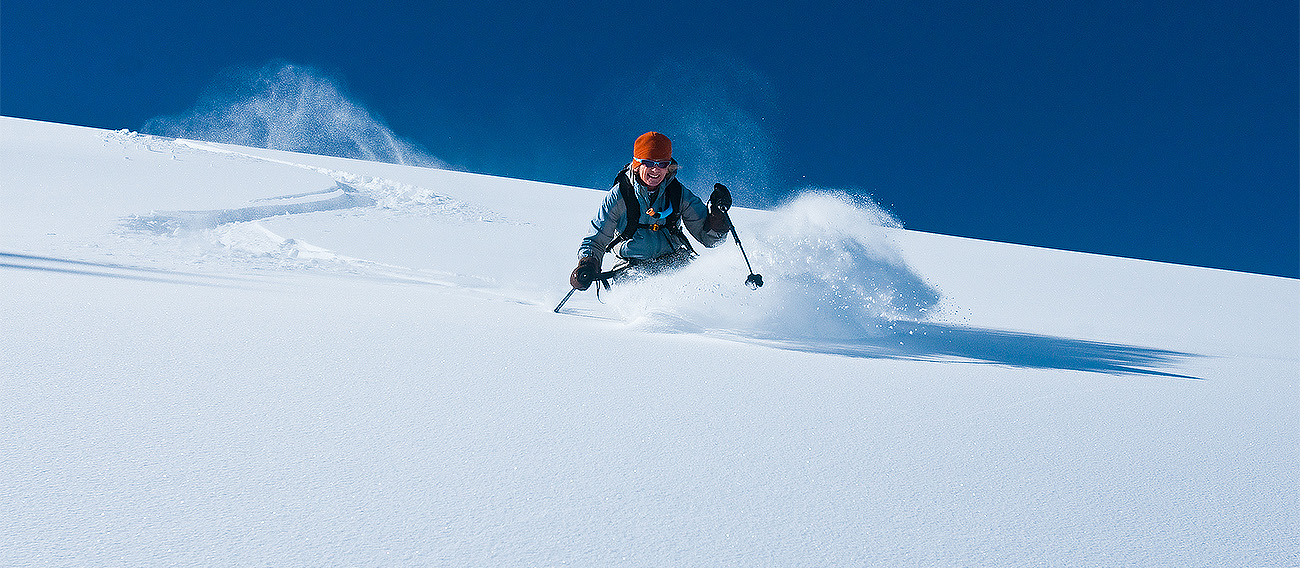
point(173, 222)
point(386, 193)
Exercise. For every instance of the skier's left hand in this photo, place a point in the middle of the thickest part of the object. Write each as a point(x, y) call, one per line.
point(719, 203)
point(721, 198)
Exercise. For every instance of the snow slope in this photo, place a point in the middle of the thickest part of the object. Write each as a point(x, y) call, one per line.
point(218, 355)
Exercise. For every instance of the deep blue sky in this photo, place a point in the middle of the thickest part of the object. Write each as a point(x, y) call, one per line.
point(1156, 130)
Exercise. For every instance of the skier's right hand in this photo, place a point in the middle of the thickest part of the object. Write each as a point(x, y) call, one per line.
point(587, 270)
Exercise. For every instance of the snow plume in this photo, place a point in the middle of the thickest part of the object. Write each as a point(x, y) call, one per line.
point(830, 272)
point(718, 113)
point(283, 106)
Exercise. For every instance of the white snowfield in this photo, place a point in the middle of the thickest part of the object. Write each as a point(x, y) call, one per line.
point(224, 356)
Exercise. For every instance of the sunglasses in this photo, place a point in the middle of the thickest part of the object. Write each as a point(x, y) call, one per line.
point(654, 164)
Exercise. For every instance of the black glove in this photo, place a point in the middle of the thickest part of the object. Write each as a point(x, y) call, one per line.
point(721, 198)
point(587, 271)
point(719, 203)
point(719, 222)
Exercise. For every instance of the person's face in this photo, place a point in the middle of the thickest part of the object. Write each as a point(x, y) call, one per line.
point(651, 174)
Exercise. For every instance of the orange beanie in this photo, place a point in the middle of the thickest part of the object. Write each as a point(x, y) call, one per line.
point(653, 146)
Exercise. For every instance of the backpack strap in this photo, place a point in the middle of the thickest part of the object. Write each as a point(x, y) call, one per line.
point(673, 223)
point(673, 195)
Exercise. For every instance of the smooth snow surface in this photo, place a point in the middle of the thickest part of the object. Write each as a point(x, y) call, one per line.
point(223, 356)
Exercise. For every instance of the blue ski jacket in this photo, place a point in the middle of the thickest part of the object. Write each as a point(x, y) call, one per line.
point(647, 244)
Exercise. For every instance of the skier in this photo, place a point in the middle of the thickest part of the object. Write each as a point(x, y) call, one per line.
point(642, 216)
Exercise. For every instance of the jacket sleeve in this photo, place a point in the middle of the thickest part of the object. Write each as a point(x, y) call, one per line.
point(695, 215)
point(605, 226)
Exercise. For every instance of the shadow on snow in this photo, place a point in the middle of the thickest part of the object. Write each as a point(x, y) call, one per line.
point(938, 342)
point(109, 270)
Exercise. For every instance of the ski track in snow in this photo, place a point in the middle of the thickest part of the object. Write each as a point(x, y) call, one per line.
point(386, 193)
point(238, 235)
point(174, 222)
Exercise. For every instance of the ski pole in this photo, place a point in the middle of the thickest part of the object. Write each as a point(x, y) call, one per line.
point(601, 279)
point(755, 281)
point(566, 299)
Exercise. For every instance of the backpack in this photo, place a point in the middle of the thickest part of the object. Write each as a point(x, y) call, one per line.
point(672, 223)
